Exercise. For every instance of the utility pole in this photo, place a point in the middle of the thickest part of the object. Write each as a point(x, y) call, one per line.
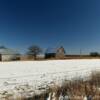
point(80, 52)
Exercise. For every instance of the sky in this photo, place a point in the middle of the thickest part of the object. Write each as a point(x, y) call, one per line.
point(74, 24)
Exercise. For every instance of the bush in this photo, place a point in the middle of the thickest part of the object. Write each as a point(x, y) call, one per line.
point(94, 54)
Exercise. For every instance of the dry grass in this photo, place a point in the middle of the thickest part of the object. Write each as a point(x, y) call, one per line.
point(77, 89)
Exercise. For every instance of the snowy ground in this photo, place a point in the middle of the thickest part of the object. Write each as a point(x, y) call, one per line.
point(27, 77)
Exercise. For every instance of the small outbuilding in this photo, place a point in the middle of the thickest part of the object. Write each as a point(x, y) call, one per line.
point(7, 54)
point(55, 52)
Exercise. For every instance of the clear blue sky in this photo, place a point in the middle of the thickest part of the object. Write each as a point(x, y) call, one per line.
point(75, 24)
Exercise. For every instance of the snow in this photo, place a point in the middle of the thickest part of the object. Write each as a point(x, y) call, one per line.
point(26, 78)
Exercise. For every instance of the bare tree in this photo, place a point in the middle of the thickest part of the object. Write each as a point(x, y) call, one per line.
point(34, 50)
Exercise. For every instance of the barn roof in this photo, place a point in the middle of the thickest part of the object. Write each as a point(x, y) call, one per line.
point(51, 50)
point(7, 51)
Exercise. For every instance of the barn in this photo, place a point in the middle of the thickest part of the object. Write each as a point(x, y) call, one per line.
point(55, 52)
point(7, 54)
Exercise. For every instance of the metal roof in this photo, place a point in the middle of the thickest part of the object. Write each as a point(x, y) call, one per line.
point(51, 50)
point(8, 51)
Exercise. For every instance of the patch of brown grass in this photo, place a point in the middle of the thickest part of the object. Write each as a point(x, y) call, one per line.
point(78, 89)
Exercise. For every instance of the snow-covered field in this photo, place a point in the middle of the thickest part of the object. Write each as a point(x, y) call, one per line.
point(27, 77)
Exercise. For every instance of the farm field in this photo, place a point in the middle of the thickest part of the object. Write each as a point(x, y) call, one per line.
point(33, 77)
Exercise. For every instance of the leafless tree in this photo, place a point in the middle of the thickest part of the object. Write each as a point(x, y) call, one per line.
point(34, 50)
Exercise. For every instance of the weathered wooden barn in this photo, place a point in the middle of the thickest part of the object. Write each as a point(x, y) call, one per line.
point(55, 52)
point(7, 54)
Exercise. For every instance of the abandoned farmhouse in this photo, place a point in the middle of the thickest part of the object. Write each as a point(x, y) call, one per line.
point(55, 52)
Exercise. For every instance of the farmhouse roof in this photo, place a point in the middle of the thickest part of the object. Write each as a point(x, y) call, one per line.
point(51, 50)
point(54, 50)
